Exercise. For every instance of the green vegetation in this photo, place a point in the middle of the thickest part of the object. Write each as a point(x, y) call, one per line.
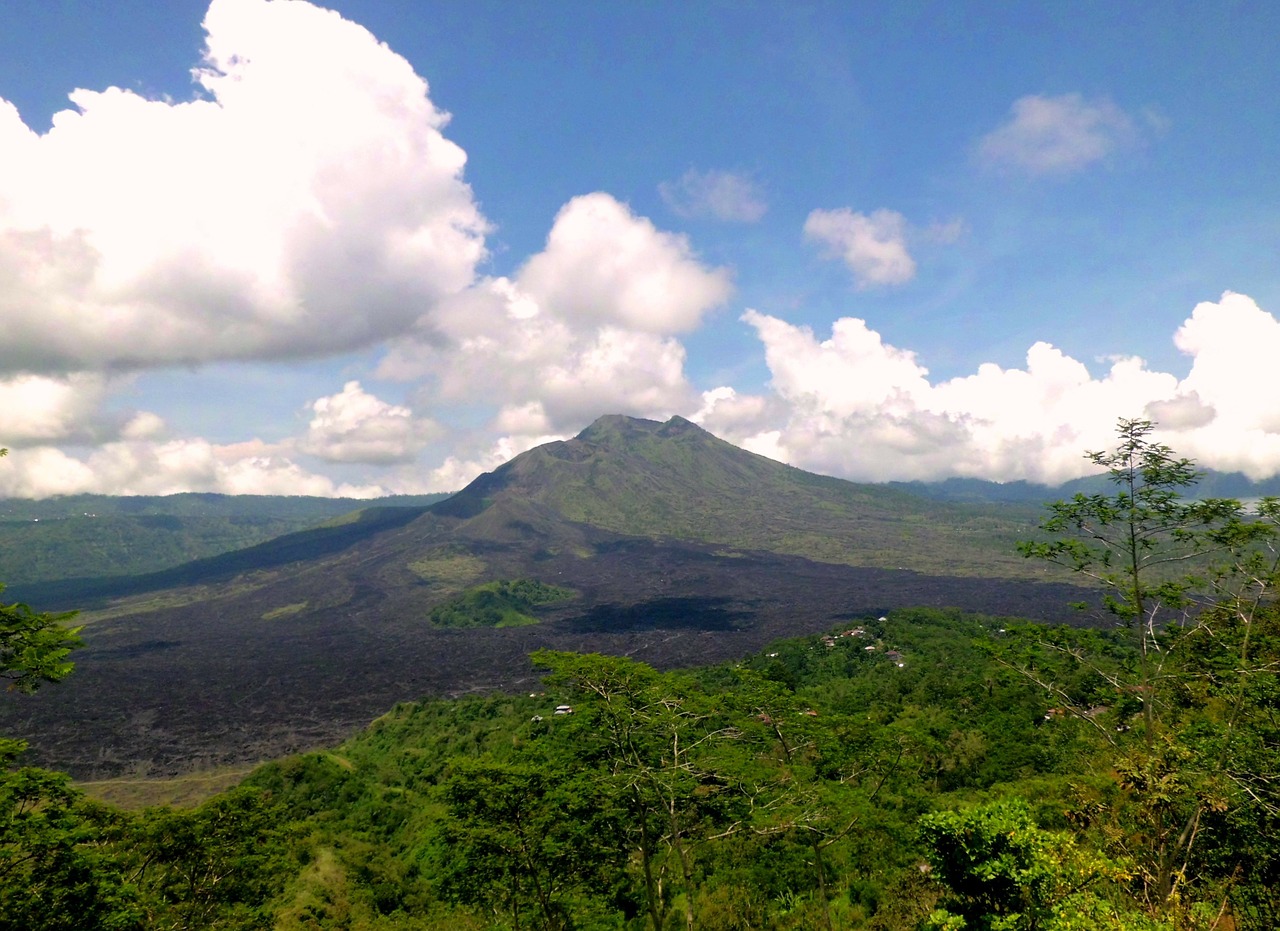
point(83, 536)
point(34, 646)
point(1191, 588)
point(504, 603)
point(922, 771)
point(1004, 873)
point(801, 788)
point(667, 794)
point(214, 577)
point(69, 863)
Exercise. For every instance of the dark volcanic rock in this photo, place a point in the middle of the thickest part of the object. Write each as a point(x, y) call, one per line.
point(211, 683)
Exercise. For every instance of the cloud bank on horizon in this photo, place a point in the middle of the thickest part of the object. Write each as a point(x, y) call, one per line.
point(307, 204)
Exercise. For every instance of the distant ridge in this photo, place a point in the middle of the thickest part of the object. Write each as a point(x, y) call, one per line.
point(980, 491)
point(98, 536)
point(199, 504)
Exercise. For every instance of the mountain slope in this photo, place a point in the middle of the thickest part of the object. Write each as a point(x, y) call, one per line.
point(675, 480)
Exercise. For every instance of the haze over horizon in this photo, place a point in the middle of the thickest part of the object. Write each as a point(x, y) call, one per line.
point(379, 248)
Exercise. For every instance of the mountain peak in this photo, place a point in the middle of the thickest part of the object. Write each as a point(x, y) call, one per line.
point(612, 429)
point(676, 481)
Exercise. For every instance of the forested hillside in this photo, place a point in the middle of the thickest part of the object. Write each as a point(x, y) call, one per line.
point(921, 770)
point(87, 536)
point(805, 787)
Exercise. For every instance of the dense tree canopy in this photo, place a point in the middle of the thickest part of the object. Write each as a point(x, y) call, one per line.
point(34, 646)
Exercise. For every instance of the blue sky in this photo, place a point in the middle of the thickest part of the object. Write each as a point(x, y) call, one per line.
point(880, 241)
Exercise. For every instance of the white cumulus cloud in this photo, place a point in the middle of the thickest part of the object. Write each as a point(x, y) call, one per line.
point(355, 426)
point(128, 467)
point(41, 408)
point(874, 246)
point(585, 327)
point(305, 202)
point(855, 406)
point(1058, 135)
point(501, 346)
point(604, 264)
point(1234, 345)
